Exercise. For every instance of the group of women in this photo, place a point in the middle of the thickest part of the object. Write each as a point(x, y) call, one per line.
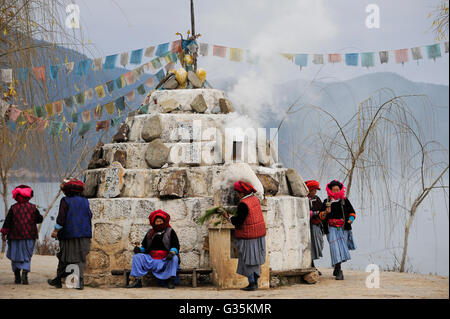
point(159, 249)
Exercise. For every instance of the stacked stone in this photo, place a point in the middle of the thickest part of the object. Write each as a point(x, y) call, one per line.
point(148, 166)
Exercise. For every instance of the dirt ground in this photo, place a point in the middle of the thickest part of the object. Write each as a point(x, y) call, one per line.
point(392, 285)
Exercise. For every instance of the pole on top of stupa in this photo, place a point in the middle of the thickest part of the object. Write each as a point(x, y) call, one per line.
point(193, 30)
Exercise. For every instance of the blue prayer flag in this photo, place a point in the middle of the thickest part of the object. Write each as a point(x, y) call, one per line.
point(110, 61)
point(23, 73)
point(136, 56)
point(120, 103)
point(82, 67)
point(368, 59)
point(84, 128)
point(53, 71)
point(160, 75)
point(162, 49)
point(301, 59)
point(351, 59)
point(434, 51)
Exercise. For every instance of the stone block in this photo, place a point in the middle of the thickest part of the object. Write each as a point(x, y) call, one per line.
point(199, 104)
point(151, 129)
point(91, 183)
point(157, 154)
point(169, 105)
point(173, 184)
point(122, 134)
point(107, 234)
point(269, 184)
point(111, 181)
point(225, 106)
point(296, 184)
point(194, 80)
point(121, 157)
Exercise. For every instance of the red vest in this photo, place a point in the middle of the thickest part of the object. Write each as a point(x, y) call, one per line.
point(254, 225)
point(24, 221)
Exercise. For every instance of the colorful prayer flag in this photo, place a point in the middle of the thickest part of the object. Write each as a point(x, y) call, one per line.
point(120, 103)
point(110, 61)
point(79, 99)
point(150, 82)
point(69, 67)
point(100, 90)
point(434, 51)
point(74, 116)
point(116, 120)
point(384, 56)
point(82, 67)
point(219, 51)
point(98, 112)
point(109, 107)
point(53, 72)
point(84, 128)
point(98, 64)
point(130, 95)
point(141, 89)
point(136, 56)
point(38, 110)
point(68, 101)
point(102, 125)
point(39, 73)
point(120, 82)
point(13, 113)
point(110, 87)
point(129, 78)
point(90, 94)
point(49, 109)
point(301, 60)
point(55, 127)
point(124, 59)
point(156, 64)
point(160, 75)
point(236, 54)
point(149, 51)
point(204, 49)
point(318, 59)
point(368, 59)
point(86, 116)
point(175, 46)
point(416, 53)
point(162, 49)
point(23, 73)
point(7, 75)
point(401, 56)
point(334, 58)
point(351, 59)
point(58, 107)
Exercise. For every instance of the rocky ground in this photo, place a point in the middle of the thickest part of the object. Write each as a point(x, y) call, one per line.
point(392, 285)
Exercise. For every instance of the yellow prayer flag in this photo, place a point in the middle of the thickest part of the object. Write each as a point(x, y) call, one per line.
point(100, 90)
point(49, 109)
point(236, 54)
point(110, 109)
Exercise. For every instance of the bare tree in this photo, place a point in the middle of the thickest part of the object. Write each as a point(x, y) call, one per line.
point(440, 20)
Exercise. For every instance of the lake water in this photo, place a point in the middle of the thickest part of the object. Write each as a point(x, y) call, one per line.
point(378, 241)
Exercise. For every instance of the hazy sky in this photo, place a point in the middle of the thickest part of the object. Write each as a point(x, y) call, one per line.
point(297, 26)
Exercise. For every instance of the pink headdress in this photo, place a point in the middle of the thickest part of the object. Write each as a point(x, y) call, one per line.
point(338, 195)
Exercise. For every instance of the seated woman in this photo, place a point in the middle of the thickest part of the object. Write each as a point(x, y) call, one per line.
point(159, 252)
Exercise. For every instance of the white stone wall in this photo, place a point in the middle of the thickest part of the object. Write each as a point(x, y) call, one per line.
point(288, 233)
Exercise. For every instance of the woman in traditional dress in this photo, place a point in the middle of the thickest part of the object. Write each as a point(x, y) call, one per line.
point(74, 232)
point(21, 232)
point(158, 253)
point(338, 215)
point(315, 205)
point(250, 233)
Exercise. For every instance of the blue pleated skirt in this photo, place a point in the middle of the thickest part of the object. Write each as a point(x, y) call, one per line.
point(340, 242)
point(252, 254)
point(161, 268)
point(20, 253)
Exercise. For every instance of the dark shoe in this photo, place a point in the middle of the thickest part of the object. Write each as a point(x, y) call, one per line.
point(171, 283)
point(136, 284)
point(250, 287)
point(81, 287)
point(320, 274)
point(340, 275)
point(17, 279)
point(24, 277)
point(56, 282)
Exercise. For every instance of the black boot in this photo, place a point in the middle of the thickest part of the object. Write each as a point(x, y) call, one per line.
point(24, 277)
point(55, 282)
point(171, 283)
point(256, 279)
point(251, 287)
point(17, 279)
point(340, 275)
point(136, 284)
point(81, 287)
point(337, 267)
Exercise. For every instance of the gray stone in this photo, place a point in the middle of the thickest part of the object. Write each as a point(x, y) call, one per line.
point(122, 134)
point(296, 184)
point(112, 181)
point(97, 160)
point(225, 106)
point(91, 184)
point(169, 105)
point(269, 184)
point(121, 157)
point(194, 80)
point(173, 185)
point(156, 154)
point(171, 83)
point(199, 104)
point(107, 234)
point(151, 129)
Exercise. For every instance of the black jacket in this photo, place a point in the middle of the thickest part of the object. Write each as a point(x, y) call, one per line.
point(341, 209)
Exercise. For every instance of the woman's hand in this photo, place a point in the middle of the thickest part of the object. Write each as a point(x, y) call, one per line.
point(350, 221)
point(3, 237)
point(328, 210)
point(55, 233)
